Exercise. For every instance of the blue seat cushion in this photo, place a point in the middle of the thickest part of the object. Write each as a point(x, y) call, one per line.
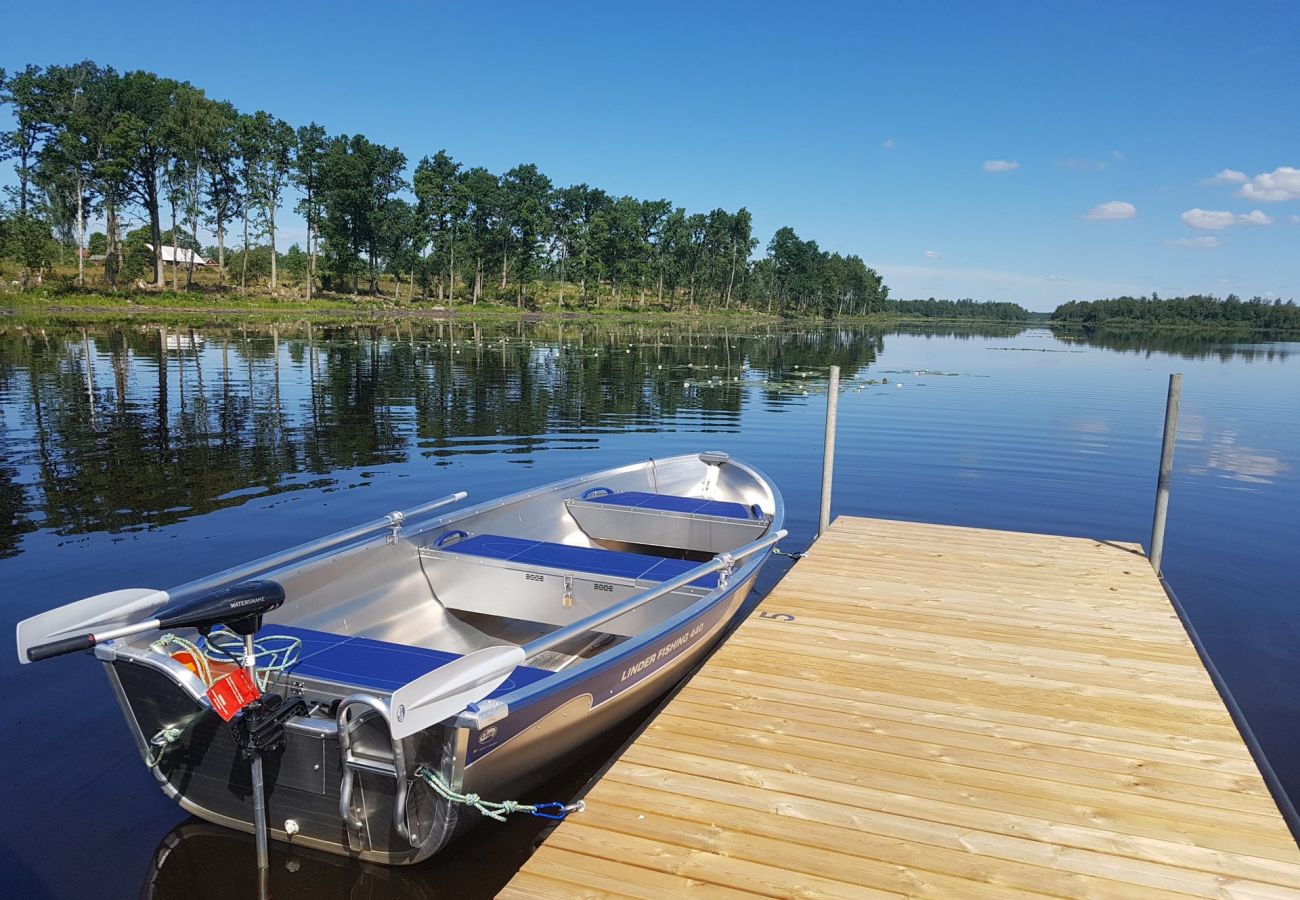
point(378, 665)
point(591, 560)
point(670, 503)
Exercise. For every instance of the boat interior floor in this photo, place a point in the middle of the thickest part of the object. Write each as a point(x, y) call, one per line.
point(459, 632)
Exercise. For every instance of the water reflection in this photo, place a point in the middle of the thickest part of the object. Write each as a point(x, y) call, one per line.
point(1228, 459)
point(1090, 435)
point(1199, 344)
point(127, 427)
point(123, 427)
point(196, 859)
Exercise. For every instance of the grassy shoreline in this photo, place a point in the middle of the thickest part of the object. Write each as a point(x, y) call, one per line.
point(99, 306)
point(62, 307)
point(68, 307)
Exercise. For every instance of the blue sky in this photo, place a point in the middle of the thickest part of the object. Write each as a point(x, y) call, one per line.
point(868, 127)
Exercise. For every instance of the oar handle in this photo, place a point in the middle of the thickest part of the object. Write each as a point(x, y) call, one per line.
point(58, 648)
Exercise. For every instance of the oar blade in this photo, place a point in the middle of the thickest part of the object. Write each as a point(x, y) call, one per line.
point(100, 612)
point(448, 689)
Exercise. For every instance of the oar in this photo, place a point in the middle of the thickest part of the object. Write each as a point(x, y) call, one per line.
point(448, 689)
point(97, 613)
point(227, 606)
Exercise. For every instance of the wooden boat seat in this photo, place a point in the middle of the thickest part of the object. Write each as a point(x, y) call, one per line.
point(666, 520)
point(359, 662)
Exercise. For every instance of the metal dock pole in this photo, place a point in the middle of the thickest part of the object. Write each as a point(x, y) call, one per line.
point(1166, 470)
point(828, 452)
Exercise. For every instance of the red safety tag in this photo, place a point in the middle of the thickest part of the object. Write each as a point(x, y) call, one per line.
point(231, 694)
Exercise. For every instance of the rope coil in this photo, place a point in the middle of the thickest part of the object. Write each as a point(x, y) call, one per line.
point(497, 810)
point(230, 647)
point(280, 651)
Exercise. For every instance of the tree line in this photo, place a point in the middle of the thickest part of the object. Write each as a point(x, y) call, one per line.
point(993, 310)
point(90, 143)
point(1197, 309)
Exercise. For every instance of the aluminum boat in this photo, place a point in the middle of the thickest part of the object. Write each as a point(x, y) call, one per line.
point(413, 660)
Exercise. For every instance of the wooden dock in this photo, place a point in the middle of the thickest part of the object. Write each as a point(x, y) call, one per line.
point(936, 711)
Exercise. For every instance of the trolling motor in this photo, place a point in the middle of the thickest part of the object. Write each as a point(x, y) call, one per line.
point(260, 726)
point(239, 607)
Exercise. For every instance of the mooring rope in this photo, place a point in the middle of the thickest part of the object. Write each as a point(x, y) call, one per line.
point(494, 809)
point(160, 743)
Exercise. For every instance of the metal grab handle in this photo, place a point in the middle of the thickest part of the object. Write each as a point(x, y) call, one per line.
point(448, 535)
point(377, 706)
point(591, 492)
point(722, 562)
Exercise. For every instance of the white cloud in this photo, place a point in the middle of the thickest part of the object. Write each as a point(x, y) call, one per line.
point(1204, 240)
point(1227, 176)
point(1293, 219)
point(1283, 183)
point(1210, 220)
point(1111, 211)
point(1256, 217)
point(1117, 154)
point(1217, 220)
point(1057, 278)
point(889, 144)
point(1000, 165)
point(933, 254)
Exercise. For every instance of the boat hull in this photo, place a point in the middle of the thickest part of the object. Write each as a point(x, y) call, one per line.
point(204, 772)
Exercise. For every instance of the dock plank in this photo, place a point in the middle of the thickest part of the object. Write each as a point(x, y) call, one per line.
point(952, 712)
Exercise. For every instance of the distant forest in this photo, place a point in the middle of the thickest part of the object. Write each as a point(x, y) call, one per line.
point(156, 159)
point(1198, 310)
point(958, 309)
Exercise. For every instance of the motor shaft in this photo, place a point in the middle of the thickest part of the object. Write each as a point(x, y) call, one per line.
point(259, 787)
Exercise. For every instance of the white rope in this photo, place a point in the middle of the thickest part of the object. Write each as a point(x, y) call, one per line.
point(494, 809)
point(223, 645)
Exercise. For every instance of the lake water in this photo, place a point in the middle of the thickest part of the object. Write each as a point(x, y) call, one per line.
point(133, 456)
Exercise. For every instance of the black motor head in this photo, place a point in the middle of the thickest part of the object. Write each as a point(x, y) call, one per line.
point(239, 607)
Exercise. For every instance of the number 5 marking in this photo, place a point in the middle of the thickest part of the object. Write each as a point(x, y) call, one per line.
point(780, 617)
